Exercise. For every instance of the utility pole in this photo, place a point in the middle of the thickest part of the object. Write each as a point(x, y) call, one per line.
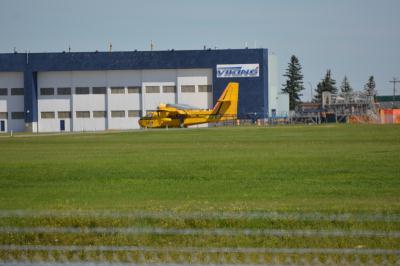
point(394, 81)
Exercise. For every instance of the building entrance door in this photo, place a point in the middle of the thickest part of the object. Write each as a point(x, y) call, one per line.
point(2, 125)
point(62, 125)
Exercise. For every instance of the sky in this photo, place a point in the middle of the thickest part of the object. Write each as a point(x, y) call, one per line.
point(357, 38)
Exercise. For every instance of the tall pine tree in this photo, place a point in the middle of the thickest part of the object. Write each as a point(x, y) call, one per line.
point(294, 83)
point(369, 87)
point(345, 86)
point(326, 84)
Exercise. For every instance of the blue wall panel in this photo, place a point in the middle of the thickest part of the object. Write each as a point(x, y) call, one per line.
point(30, 96)
point(253, 96)
point(265, 70)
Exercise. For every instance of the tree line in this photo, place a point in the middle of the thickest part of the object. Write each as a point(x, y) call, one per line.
point(294, 84)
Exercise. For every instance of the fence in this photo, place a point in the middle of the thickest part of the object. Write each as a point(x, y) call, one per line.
point(197, 238)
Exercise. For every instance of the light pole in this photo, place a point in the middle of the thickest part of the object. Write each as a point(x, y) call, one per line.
point(394, 81)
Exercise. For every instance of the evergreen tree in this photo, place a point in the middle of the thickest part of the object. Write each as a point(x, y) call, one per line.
point(369, 87)
point(318, 95)
point(294, 82)
point(345, 87)
point(326, 84)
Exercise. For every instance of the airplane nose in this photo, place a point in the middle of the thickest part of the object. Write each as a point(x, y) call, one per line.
point(142, 123)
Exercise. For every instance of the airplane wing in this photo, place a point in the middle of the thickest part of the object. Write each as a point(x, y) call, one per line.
point(172, 111)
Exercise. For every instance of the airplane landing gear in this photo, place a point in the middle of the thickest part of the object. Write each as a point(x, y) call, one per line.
point(181, 123)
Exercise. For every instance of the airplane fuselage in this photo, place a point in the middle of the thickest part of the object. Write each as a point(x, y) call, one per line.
point(187, 118)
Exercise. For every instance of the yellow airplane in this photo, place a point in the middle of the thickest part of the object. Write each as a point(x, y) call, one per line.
point(182, 115)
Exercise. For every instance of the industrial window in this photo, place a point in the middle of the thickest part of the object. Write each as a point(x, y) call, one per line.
point(46, 91)
point(152, 89)
point(134, 113)
point(17, 91)
point(64, 114)
point(82, 114)
point(117, 113)
point(205, 88)
point(117, 90)
point(17, 115)
point(169, 88)
point(135, 89)
point(99, 114)
point(82, 90)
point(47, 115)
point(64, 91)
point(99, 90)
point(3, 91)
point(3, 115)
point(188, 88)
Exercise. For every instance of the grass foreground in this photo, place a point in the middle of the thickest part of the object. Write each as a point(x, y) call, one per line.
point(286, 168)
point(331, 169)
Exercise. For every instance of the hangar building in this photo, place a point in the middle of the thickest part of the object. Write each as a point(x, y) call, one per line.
point(89, 91)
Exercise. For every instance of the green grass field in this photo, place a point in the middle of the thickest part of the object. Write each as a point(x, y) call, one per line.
point(299, 169)
point(309, 168)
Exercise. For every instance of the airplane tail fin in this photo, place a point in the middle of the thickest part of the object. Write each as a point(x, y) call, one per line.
point(227, 104)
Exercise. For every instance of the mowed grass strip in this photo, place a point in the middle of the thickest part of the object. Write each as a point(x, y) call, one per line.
point(334, 168)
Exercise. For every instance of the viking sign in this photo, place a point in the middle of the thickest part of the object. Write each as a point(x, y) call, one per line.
point(238, 71)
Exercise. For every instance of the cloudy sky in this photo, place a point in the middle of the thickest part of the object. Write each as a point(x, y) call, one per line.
point(356, 38)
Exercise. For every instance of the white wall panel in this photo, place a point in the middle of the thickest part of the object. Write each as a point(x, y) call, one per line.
point(133, 101)
point(124, 78)
point(159, 75)
point(126, 101)
point(53, 125)
point(115, 102)
point(16, 125)
point(56, 103)
point(49, 125)
point(157, 78)
point(124, 123)
point(195, 77)
point(273, 83)
point(283, 104)
point(3, 103)
point(153, 100)
point(11, 80)
point(89, 78)
point(55, 79)
point(53, 103)
point(276, 100)
point(89, 102)
point(89, 124)
point(13, 103)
